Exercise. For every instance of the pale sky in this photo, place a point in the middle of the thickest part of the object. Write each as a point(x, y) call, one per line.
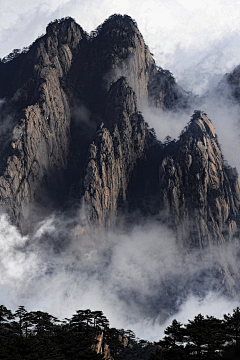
point(197, 40)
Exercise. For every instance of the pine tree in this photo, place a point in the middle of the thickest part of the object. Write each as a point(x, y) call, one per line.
point(232, 326)
point(20, 313)
point(175, 335)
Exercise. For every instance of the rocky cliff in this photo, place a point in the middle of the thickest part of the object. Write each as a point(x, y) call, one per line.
point(71, 131)
point(35, 107)
point(116, 48)
point(44, 144)
point(114, 153)
point(122, 45)
point(198, 189)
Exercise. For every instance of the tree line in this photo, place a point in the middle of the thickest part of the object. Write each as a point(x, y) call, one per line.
point(38, 335)
point(201, 338)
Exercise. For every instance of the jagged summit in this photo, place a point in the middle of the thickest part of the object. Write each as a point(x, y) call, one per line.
point(120, 37)
point(199, 126)
point(198, 188)
point(61, 25)
point(228, 89)
point(115, 23)
point(114, 153)
point(73, 132)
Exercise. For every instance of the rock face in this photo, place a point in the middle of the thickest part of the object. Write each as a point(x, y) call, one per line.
point(117, 49)
point(233, 80)
point(114, 153)
point(122, 45)
point(37, 150)
point(71, 131)
point(102, 348)
point(41, 147)
point(198, 189)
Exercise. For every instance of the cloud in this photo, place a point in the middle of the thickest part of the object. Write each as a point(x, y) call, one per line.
point(211, 305)
point(166, 123)
point(221, 108)
point(139, 278)
point(17, 265)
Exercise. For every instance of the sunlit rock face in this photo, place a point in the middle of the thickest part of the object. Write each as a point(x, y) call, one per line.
point(43, 150)
point(121, 51)
point(198, 188)
point(36, 113)
point(71, 132)
point(114, 153)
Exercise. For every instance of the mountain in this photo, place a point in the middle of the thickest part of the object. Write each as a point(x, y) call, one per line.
point(72, 133)
point(198, 187)
point(118, 144)
point(44, 139)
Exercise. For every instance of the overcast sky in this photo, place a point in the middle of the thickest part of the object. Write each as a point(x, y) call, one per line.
point(196, 40)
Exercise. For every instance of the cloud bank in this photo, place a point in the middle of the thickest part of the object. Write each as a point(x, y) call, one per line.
point(139, 278)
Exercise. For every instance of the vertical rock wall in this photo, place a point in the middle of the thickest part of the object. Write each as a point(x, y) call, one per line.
point(199, 191)
point(119, 142)
point(39, 144)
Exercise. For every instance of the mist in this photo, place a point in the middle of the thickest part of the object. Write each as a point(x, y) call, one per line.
point(140, 278)
point(221, 108)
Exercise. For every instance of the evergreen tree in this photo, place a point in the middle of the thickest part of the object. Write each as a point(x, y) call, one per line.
point(197, 335)
point(174, 335)
point(157, 355)
point(5, 316)
point(20, 313)
point(216, 337)
point(232, 326)
point(42, 321)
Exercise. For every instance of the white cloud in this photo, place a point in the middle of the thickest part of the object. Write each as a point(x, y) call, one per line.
point(135, 277)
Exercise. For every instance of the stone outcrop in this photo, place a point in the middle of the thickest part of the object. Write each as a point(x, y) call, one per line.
point(121, 44)
point(102, 347)
point(43, 151)
point(198, 189)
point(118, 144)
point(128, 347)
point(36, 151)
point(116, 48)
point(109, 158)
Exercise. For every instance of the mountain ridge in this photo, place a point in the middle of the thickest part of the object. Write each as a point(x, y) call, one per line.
point(55, 155)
